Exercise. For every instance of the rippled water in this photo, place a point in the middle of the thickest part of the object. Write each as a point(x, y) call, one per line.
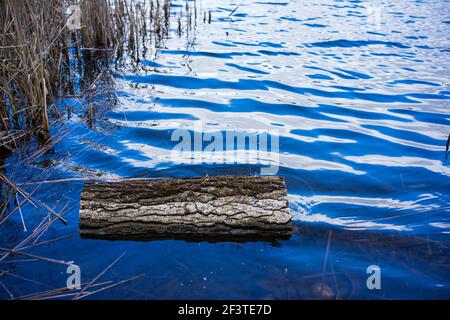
point(359, 93)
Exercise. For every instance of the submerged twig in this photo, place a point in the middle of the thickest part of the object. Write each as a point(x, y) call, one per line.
point(7, 290)
point(21, 215)
point(98, 277)
point(113, 285)
point(234, 10)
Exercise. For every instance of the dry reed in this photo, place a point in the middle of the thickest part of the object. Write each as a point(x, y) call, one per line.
point(42, 57)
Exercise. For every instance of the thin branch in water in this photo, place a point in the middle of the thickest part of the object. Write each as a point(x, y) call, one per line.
point(98, 276)
point(21, 215)
point(7, 290)
point(16, 208)
point(17, 188)
point(20, 260)
point(4, 273)
point(47, 293)
point(114, 285)
point(234, 10)
point(36, 257)
point(47, 242)
point(31, 200)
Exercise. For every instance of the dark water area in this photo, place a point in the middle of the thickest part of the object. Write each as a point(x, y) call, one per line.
point(359, 94)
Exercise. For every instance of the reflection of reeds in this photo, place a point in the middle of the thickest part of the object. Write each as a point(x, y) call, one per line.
point(42, 58)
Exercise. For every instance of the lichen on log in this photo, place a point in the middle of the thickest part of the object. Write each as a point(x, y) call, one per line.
point(207, 208)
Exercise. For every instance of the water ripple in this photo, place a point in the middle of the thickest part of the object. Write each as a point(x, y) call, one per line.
point(361, 111)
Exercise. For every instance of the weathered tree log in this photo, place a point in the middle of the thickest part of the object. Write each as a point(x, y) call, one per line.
point(210, 208)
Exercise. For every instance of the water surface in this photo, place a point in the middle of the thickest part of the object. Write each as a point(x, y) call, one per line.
point(361, 105)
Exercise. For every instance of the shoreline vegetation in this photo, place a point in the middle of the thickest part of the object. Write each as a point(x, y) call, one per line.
point(42, 58)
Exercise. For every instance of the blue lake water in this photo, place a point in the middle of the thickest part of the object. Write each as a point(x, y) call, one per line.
point(359, 94)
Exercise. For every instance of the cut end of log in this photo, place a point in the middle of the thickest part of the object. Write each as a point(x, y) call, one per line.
point(218, 208)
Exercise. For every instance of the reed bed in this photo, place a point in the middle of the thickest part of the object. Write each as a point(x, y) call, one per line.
point(42, 57)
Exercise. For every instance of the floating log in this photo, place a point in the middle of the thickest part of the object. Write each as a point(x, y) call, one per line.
point(217, 208)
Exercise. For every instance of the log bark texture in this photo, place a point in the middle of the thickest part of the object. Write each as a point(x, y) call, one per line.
point(225, 207)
